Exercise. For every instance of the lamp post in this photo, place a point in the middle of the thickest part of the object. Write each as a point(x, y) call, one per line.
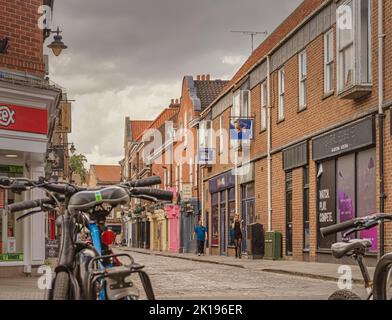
point(57, 44)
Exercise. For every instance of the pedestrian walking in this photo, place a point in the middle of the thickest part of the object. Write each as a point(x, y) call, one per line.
point(237, 227)
point(200, 232)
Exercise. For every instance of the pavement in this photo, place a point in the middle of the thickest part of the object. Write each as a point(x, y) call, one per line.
point(322, 271)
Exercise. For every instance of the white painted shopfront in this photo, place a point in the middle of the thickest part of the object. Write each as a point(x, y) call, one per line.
point(27, 116)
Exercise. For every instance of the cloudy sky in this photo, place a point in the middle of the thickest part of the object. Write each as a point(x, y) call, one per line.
point(128, 57)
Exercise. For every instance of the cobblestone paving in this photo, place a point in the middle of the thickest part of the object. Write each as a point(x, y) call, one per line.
point(183, 279)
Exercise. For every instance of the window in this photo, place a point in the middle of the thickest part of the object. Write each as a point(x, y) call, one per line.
point(215, 219)
point(354, 44)
point(328, 62)
point(205, 142)
point(302, 66)
point(177, 187)
point(165, 179)
point(180, 176)
point(221, 139)
point(185, 130)
point(281, 92)
point(196, 171)
point(263, 110)
point(306, 233)
point(241, 104)
point(232, 211)
point(191, 171)
point(289, 213)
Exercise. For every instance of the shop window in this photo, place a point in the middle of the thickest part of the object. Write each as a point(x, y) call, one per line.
point(223, 218)
point(289, 213)
point(215, 219)
point(354, 48)
point(346, 190)
point(232, 211)
point(306, 233)
point(366, 192)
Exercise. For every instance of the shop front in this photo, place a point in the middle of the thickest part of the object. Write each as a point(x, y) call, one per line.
point(346, 163)
point(27, 118)
point(189, 211)
point(223, 208)
point(172, 212)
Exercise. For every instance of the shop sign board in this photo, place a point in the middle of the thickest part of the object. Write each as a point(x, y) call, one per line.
point(23, 119)
point(346, 139)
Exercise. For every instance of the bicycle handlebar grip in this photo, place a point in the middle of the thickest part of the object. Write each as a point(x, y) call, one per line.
point(158, 194)
point(338, 227)
point(147, 182)
point(29, 204)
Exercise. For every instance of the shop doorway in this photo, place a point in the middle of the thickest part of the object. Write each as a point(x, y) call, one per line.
point(289, 213)
point(248, 209)
point(223, 223)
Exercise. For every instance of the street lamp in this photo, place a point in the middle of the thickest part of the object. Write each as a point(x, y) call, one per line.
point(72, 149)
point(57, 45)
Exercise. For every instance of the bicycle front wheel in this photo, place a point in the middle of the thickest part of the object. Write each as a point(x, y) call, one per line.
point(61, 286)
point(344, 295)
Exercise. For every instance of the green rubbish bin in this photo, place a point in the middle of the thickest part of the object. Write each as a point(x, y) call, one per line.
point(273, 245)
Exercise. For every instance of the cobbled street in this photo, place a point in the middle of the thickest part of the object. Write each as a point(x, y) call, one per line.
point(183, 279)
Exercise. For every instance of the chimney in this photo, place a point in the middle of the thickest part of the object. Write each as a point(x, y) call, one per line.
point(172, 101)
point(176, 101)
point(208, 77)
point(198, 77)
point(203, 77)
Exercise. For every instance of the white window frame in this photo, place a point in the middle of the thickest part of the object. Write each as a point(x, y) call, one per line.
point(185, 129)
point(221, 138)
point(181, 177)
point(281, 94)
point(356, 47)
point(191, 171)
point(302, 79)
point(263, 106)
point(329, 61)
point(196, 175)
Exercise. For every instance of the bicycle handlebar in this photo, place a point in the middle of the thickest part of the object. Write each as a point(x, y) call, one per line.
point(147, 182)
point(30, 204)
point(366, 222)
point(157, 194)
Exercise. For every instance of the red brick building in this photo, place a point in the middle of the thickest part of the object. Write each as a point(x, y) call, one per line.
point(30, 114)
point(312, 91)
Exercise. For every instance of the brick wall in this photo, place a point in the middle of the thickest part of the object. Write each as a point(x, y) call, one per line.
point(19, 22)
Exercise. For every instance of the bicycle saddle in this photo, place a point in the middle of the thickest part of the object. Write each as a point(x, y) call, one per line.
point(341, 249)
point(85, 200)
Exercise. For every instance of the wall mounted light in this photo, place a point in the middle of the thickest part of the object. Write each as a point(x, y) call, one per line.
point(57, 45)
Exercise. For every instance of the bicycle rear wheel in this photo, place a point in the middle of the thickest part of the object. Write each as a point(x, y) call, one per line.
point(61, 286)
point(344, 295)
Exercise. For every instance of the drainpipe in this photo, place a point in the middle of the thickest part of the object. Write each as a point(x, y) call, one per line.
point(381, 117)
point(269, 158)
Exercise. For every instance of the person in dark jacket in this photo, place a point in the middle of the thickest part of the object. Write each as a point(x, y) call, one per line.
point(237, 227)
point(200, 232)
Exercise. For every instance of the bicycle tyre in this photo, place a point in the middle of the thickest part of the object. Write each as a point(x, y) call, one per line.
point(61, 286)
point(344, 295)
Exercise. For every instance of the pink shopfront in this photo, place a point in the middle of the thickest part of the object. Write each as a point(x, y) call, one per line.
point(172, 212)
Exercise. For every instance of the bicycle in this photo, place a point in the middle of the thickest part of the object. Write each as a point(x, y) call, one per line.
point(88, 270)
point(381, 285)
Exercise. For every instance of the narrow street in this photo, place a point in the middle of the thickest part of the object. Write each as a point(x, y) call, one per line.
point(179, 279)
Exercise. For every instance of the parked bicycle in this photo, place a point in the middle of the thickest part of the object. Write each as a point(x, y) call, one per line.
point(380, 288)
point(89, 269)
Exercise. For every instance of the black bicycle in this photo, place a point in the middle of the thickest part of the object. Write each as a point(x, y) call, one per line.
point(89, 269)
point(380, 288)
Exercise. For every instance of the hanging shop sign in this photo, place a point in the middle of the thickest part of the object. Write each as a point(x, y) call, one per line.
point(56, 157)
point(65, 118)
point(186, 192)
point(241, 129)
point(348, 138)
point(24, 119)
point(11, 257)
point(11, 245)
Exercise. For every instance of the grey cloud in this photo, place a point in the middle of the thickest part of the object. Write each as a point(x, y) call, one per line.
point(121, 44)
